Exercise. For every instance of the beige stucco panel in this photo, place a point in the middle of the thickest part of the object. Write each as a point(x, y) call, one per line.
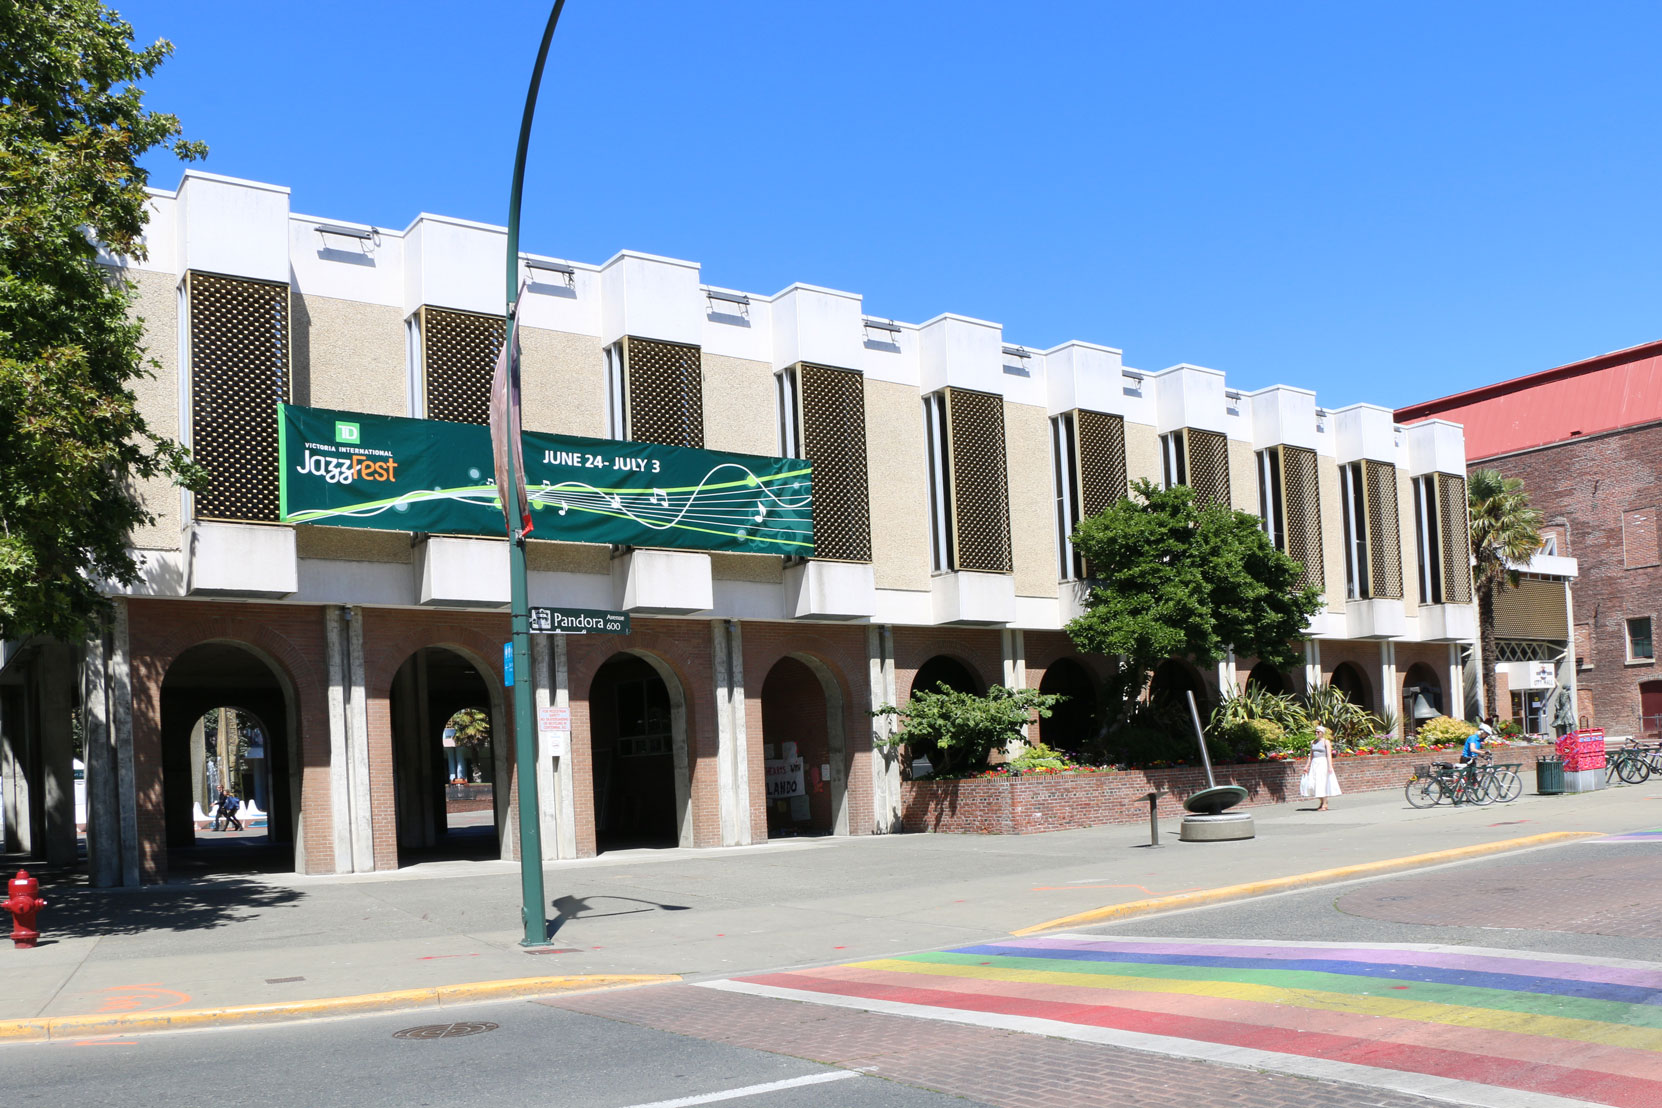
point(898, 474)
point(1243, 477)
point(1142, 453)
point(567, 557)
point(1032, 499)
point(739, 406)
point(562, 383)
point(352, 544)
point(768, 569)
point(349, 356)
point(155, 301)
point(1407, 525)
point(1333, 533)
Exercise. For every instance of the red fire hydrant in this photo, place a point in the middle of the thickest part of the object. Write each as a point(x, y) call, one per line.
point(23, 904)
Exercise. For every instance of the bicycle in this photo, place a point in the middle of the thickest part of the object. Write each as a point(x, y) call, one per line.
point(1439, 781)
point(1629, 763)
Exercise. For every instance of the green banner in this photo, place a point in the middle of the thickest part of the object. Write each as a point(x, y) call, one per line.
point(349, 469)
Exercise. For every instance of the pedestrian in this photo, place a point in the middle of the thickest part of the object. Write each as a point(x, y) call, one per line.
point(219, 810)
point(1474, 741)
point(1319, 780)
point(231, 804)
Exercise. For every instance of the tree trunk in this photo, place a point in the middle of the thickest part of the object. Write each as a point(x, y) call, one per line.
point(1486, 645)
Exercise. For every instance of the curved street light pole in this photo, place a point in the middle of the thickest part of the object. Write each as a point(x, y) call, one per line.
point(534, 910)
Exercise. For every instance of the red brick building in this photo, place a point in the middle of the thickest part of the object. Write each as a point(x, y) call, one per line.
point(1586, 440)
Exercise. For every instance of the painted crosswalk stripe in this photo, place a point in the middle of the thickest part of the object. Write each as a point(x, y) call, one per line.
point(751, 1090)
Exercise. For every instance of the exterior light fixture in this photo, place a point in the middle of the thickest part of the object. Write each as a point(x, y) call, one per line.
point(565, 271)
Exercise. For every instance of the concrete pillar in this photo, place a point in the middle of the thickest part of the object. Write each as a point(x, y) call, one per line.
point(885, 761)
point(1312, 665)
point(1389, 698)
point(54, 672)
point(732, 747)
point(1456, 698)
point(15, 784)
point(557, 809)
point(102, 781)
point(1013, 644)
point(354, 839)
point(1226, 673)
point(119, 684)
point(199, 767)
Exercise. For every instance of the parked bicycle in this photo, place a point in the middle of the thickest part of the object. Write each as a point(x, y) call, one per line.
point(1634, 762)
point(1480, 782)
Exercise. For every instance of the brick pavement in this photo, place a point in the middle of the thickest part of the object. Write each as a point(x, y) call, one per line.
point(1614, 897)
point(1003, 1068)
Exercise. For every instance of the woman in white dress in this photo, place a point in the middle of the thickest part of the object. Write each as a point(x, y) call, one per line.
point(1319, 779)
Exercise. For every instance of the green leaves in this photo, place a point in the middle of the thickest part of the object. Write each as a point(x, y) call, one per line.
point(72, 440)
point(964, 728)
point(1176, 580)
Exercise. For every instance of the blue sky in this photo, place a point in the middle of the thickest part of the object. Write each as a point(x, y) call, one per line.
point(1382, 202)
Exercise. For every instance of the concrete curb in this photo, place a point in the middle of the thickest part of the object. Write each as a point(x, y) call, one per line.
point(1302, 880)
point(53, 1028)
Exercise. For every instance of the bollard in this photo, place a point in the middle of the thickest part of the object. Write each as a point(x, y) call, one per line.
point(1153, 818)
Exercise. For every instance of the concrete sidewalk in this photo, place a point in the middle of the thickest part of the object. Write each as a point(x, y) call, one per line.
point(262, 939)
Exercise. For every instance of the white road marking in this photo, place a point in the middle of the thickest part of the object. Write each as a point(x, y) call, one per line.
point(751, 1090)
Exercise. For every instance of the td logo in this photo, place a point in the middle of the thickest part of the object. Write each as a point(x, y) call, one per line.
point(346, 432)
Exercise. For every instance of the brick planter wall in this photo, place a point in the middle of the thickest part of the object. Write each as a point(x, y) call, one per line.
point(1054, 802)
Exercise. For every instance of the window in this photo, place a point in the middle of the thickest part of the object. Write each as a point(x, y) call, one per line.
point(1373, 545)
point(1087, 452)
point(655, 392)
point(1639, 641)
point(1442, 536)
point(458, 358)
point(237, 335)
point(822, 417)
point(969, 486)
point(1199, 459)
point(1289, 503)
point(1272, 507)
point(1639, 538)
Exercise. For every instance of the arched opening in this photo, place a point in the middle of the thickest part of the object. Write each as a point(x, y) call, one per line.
point(638, 752)
point(1173, 680)
point(228, 726)
point(1350, 680)
point(444, 786)
point(1268, 678)
point(1072, 723)
point(804, 752)
point(1422, 696)
point(937, 672)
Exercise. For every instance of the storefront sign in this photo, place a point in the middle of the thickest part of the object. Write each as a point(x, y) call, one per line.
point(350, 469)
point(578, 621)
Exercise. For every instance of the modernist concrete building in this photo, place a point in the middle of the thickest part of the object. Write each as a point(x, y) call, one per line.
point(1586, 440)
point(949, 466)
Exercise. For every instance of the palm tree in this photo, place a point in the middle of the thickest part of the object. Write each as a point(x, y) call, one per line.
point(1506, 533)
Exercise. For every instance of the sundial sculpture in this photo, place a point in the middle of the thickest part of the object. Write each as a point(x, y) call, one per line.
point(1209, 820)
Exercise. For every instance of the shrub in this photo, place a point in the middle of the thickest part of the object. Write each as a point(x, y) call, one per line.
point(1349, 722)
point(960, 728)
point(1038, 756)
point(1443, 730)
point(1250, 739)
point(1140, 745)
point(1298, 745)
point(1509, 728)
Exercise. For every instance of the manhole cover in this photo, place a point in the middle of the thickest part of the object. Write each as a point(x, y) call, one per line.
point(445, 1030)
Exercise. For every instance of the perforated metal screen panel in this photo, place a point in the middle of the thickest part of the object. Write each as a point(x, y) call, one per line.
point(239, 373)
point(1101, 462)
point(1456, 533)
point(1301, 497)
point(980, 481)
point(665, 393)
point(833, 421)
point(1384, 531)
point(458, 354)
point(1208, 467)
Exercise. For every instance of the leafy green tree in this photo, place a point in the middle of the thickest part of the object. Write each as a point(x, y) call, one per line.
point(472, 727)
point(1173, 579)
point(1506, 533)
point(963, 727)
point(72, 441)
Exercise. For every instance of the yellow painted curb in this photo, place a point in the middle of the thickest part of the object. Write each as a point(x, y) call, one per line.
point(48, 1028)
point(1301, 880)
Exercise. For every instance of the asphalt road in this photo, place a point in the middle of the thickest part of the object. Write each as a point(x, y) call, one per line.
point(534, 1054)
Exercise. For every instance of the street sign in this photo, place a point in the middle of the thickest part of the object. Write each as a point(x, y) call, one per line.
point(578, 621)
point(507, 663)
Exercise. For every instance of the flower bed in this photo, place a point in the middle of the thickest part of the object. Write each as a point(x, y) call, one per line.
point(1010, 805)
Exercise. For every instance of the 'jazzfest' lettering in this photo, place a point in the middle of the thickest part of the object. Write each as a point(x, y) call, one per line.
point(340, 471)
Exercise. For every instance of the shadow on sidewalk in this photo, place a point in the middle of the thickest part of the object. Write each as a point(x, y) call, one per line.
point(78, 912)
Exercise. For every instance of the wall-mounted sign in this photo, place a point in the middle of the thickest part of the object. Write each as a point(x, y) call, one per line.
point(578, 621)
point(554, 731)
point(351, 469)
point(785, 777)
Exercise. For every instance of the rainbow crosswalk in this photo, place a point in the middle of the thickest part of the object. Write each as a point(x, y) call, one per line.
point(1509, 1028)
